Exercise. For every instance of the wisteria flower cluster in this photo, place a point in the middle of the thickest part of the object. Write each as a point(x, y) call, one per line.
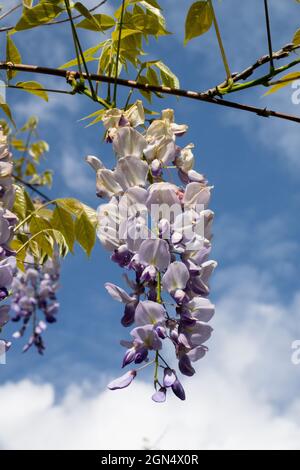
point(161, 233)
point(8, 221)
point(35, 290)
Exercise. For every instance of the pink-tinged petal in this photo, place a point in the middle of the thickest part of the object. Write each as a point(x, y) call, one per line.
point(155, 253)
point(118, 294)
point(176, 277)
point(196, 194)
point(123, 381)
point(160, 396)
point(129, 143)
point(131, 171)
point(149, 313)
point(201, 308)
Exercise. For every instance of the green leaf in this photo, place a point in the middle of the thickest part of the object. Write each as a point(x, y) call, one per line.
point(286, 80)
point(75, 207)
point(85, 233)
point(34, 88)
point(20, 205)
point(40, 14)
point(63, 222)
point(12, 55)
point(88, 56)
point(168, 77)
point(98, 22)
point(198, 21)
point(296, 38)
point(6, 109)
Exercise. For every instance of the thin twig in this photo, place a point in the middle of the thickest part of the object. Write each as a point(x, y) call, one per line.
point(264, 112)
point(118, 53)
point(7, 13)
point(269, 35)
point(33, 188)
point(220, 42)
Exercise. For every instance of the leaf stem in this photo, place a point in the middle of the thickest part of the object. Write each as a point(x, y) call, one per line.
point(118, 53)
point(221, 46)
point(268, 25)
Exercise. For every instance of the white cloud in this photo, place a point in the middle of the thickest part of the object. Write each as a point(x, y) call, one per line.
point(245, 394)
point(75, 172)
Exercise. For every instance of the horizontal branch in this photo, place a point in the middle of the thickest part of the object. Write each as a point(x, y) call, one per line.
point(204, 97)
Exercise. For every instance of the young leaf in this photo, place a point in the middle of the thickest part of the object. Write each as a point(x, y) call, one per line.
point(35, 88)
point(198, 21)
point(85, 233)
point(20, 205)
point(6, 109)
point(296, 38)
point(40, 14)
point(12, 55)
point(63, 222)
point(286, 80)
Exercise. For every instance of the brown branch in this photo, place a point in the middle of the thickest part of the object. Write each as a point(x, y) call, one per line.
point(204, 97)
point(283, 53)
point(33, 188)
point(51, 23)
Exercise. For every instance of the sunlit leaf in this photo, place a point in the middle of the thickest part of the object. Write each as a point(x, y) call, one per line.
point(198, 21)
point(285, 81)
point(12, 55)
point(34, 88)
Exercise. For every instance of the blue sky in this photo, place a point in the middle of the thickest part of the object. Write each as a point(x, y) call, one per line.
point(247, 380)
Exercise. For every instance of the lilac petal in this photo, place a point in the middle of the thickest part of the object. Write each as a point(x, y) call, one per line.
point(149, 313)
point(131, 171)
point(185, 366)
point(201, 308)
point(147, 336)
point(197, 353)
point(94, 162)
point(178, 390)
point(169, 377)
point(200, 284)
point(129, 143)
point(123, 381)
point(176, 277)
point(149, 274)
point(129, 313)
point(196, 335)
point(160, 396)
point(155, 253)
point(118, 294)
point(107, 185)
point(163, 193)
point(4, 317)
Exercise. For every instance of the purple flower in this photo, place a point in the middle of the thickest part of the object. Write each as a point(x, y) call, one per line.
point(178, 390)
point(123, 381)
point(160, 395)
point(146, 336)
point(169, 377)
point(150, 313)
point(155, 253)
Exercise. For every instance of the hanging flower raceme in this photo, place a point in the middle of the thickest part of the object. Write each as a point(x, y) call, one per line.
point(8, 221)
point(34, 301)
point(161, 233)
